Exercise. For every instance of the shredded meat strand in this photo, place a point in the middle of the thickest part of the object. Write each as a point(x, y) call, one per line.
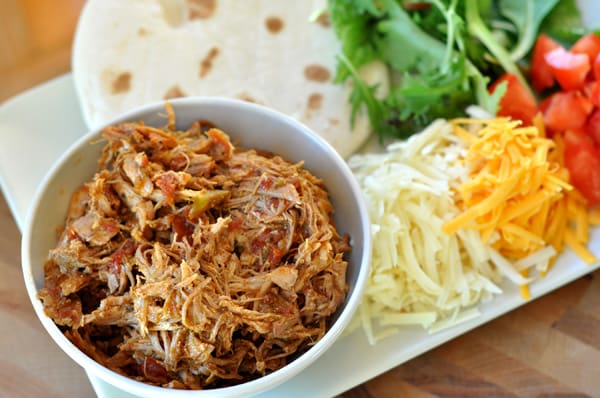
point(189, 263)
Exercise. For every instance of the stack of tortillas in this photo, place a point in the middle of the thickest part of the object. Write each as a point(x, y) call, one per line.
point(128, 53)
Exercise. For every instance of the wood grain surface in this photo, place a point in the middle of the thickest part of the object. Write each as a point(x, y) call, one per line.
point(31, 364)
point(547, 348)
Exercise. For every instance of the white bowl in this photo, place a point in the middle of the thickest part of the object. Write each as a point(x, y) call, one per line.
point(251, 126)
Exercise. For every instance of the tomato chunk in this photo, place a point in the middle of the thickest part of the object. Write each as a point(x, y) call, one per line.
point(594, 93)
point(582, 159)
point(596, 67)
point(517, 102)
point(588, 44)
point(541, 74)
point(566, 110)
point(592, 126)
point(569, 69)
point(545, 104)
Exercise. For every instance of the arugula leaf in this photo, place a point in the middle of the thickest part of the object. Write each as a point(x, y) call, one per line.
point(490, 102)
point(527, 17)
point(354, 23)
point(421, 99)
point(478, 29)
point(454, 31)
point(403, 45)
point(563, 23)
point(363, 94)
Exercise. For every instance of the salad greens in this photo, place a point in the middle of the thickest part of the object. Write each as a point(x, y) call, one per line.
point(526, 16)
point(564, 23)
point(442, 54)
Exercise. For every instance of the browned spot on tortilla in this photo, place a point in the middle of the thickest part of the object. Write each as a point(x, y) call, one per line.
point(323, 20)
point(207, 63)
point(274, 24)
point(201, 9)
point(121, 83)
point(315, 101)
point(334, 121)
point(247, 97)
point(174, 92)
point(142, 31)
point(317, 73)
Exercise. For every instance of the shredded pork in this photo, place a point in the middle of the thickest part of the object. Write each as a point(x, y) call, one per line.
point(189, 263)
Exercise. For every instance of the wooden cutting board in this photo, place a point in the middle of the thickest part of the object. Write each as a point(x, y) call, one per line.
point(547, 348)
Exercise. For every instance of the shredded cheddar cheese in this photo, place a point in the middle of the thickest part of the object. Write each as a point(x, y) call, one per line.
point(510, 177)
point(517, 194)
point(594, 216)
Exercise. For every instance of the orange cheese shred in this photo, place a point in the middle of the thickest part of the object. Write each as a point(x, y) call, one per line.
point(525, 292)
point(594, 216)
point(518, 194)
point(575, 245)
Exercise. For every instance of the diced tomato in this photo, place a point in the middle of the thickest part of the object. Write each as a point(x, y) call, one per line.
point(541, 74)
point(596, 66)
point(120, 255)
point(566, 110)
point(584, 103)
point(569, 69)
point(167, 183)
point(582, 159)
point(588, 44)
point(182, 227)
point(517, 102)
point(588, 88)
point(592, 126)
point(153, 370)
point(545, 104)
point(591, 90)
point(594, 93)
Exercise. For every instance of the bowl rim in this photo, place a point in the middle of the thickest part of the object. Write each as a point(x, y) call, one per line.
point(246, 388)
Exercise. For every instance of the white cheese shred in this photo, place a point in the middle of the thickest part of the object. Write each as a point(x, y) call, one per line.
point(421, 275)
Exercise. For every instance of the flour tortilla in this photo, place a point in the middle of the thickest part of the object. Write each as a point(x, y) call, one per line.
point(128, 53)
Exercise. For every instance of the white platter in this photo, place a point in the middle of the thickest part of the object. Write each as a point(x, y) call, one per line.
point(38, 125)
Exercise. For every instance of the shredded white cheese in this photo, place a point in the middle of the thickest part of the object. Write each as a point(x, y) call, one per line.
point(420, 275)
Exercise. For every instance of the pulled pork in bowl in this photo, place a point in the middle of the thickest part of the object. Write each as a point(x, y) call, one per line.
point(213, 246)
